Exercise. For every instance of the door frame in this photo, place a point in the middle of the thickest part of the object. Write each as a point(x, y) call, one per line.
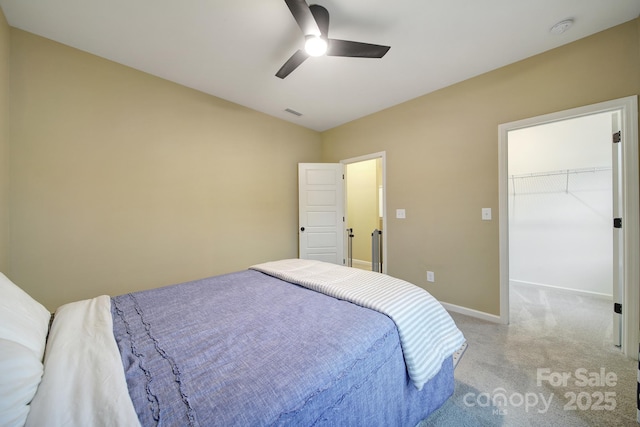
point(630, 208)
point(385, 237)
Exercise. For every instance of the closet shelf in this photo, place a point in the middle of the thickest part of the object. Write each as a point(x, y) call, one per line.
point(559, 181)
point(559, 172)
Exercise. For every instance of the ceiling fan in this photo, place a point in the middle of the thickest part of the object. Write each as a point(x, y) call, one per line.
point(314, 22)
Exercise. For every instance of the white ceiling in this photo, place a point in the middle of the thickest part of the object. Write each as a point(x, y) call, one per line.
point(233, 48)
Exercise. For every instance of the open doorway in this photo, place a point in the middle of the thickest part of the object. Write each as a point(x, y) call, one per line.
point(363, 208)
point(626, 111)
point(560, 205)
point(560, 217)
point(323, 209)
point(364, 211)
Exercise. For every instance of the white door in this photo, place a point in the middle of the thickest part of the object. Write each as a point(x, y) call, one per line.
point(618, 236)
point(321, 228)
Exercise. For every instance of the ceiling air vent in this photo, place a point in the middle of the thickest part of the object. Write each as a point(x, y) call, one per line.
point(294, 112)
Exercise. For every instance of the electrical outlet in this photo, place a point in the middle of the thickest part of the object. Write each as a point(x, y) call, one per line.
point(431, 277)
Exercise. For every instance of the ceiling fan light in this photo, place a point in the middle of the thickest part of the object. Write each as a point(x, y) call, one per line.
point(315, 46)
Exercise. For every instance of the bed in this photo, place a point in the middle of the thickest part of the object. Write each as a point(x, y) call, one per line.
point(290, 342)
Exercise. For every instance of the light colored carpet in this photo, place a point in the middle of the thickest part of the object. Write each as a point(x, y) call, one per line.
point(552, 334)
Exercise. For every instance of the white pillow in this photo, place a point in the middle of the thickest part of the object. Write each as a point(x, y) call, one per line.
point(21, 372)
point(24, 324)
point(22, 319)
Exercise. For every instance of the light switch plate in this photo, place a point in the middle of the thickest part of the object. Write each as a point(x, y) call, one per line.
point(486, 214)
point(401, 213)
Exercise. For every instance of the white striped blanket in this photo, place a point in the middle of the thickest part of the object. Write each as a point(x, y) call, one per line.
point(428, 335)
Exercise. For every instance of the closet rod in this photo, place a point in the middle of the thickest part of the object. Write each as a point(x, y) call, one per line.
point(559, 172)
point(566, 173)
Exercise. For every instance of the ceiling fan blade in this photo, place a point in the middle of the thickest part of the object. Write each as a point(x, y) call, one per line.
point(292, 63)
point(321, 15)
point(355, 49)
point(303, 16)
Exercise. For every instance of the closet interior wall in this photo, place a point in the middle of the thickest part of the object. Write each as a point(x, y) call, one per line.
point(560, 220)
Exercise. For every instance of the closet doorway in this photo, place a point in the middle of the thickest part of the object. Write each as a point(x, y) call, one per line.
point(560, 209)
point(364, 211)
point(560, 178)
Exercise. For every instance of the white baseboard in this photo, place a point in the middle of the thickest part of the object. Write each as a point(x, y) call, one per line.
point(471, 313)
point(363, 265)
point(559, 288)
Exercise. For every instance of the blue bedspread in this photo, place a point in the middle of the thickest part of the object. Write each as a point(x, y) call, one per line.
point(247, 349)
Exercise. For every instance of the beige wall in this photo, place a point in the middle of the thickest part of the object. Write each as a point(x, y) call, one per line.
point(442, 157)
point(122, 181)
point(4, 143)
